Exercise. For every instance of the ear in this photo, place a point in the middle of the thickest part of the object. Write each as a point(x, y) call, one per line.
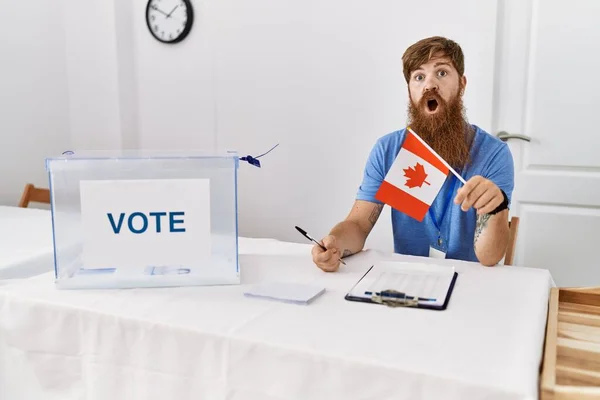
point(463, 84)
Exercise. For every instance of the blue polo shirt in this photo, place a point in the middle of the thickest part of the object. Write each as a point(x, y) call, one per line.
point(490, 158)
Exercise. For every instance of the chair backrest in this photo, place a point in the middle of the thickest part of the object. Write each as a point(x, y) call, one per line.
point(513, 226)
point(34, 194)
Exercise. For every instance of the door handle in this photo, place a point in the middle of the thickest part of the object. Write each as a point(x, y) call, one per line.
point(504, 136)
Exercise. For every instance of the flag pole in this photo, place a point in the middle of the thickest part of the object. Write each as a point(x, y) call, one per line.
point(437, 155)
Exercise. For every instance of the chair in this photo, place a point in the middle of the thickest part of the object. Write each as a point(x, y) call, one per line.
point(513, 226)
point(34, 194)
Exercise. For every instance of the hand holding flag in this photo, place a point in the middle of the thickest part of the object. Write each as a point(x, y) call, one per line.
point(480, 193)
point(418, 174)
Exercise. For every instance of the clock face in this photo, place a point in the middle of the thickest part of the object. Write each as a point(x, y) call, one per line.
point(169, 21)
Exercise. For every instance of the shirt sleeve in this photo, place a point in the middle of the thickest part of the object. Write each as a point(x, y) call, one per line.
point(501, 171)
point(374, 173)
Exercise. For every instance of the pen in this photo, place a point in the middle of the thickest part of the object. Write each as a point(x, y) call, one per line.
point(399, 296)
point(306, 235)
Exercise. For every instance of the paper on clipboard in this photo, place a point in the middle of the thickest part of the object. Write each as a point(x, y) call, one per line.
point(430, 283)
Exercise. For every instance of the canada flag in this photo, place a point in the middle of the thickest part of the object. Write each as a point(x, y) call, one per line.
point(415, 178)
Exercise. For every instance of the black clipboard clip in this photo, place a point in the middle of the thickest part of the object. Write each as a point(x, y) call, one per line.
point(393, 298)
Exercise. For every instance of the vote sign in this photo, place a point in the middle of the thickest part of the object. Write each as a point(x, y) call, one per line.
point(132, 224)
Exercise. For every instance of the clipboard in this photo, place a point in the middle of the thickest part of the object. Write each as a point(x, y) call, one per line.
point(392, 297)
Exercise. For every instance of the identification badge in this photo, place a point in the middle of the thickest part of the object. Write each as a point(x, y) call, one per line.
point(435, 253)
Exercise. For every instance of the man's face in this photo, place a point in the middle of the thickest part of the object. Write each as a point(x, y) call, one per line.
point(436, 110)
point(437, 78)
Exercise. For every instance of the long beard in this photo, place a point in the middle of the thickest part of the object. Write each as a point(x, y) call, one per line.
point(446, 131)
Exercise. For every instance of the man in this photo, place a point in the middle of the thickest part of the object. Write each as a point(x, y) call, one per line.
point(467, 222)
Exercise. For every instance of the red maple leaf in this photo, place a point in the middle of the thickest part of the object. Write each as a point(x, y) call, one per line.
point(416, 176)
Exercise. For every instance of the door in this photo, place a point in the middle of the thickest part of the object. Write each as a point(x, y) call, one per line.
point(546, 89)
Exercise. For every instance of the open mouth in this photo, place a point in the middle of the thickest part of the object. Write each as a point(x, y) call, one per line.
point(432, 105)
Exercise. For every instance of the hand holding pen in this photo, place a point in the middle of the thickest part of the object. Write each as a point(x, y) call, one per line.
point(326, 255)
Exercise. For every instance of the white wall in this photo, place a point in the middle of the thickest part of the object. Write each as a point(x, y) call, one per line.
point(101, 74)
point(67, 82)
point(175, 84)
point(34, 120)
point(323, 78)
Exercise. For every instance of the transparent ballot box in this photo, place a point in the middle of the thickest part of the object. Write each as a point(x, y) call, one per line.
point(144, 219)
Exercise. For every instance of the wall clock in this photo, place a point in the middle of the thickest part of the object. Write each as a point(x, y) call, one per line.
point(169, 21)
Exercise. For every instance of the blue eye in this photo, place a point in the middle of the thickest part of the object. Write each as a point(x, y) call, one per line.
point(442, 73)
point(419, 77)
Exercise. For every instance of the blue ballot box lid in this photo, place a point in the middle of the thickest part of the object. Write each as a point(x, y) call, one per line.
point(138, 155)
point(128, 154)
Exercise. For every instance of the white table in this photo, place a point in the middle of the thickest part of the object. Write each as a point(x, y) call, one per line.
point(214, 343)
point(25, 242)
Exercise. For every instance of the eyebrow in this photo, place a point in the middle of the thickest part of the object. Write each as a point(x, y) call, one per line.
point(437, 64)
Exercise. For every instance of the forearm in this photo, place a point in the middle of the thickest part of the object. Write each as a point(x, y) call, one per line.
point(350, 237)
point(491, 237)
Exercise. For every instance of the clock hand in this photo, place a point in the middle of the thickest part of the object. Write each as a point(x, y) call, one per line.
point(159, 10)
point(172, 11)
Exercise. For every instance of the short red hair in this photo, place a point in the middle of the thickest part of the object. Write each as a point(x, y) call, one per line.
point(424, 50)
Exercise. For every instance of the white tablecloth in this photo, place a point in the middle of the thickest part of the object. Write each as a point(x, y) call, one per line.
point(25, 242)
point(214, 343)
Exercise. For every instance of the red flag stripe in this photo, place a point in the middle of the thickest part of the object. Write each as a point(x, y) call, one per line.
point(401, 201)
point(412, 144)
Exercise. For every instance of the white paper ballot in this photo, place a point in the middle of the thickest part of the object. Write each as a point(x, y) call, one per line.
point(288, 292)
point(430, 283)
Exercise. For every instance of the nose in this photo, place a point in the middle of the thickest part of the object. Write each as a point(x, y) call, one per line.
point(430, 85)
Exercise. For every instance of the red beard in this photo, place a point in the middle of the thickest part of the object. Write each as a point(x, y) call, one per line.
point(446, 131)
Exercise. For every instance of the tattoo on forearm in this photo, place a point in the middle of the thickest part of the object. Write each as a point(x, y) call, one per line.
point(346, 253)
point(482, 221)
point(375, 213)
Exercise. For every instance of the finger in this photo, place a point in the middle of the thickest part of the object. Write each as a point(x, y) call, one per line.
point(492, 204)
point(326, 260)
point(473, 196)
point(464, 191)
point(329, 256)
point(316, 249)
point(323, 257)
point(329, 242)
point(483, 200)
point(335, 254)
